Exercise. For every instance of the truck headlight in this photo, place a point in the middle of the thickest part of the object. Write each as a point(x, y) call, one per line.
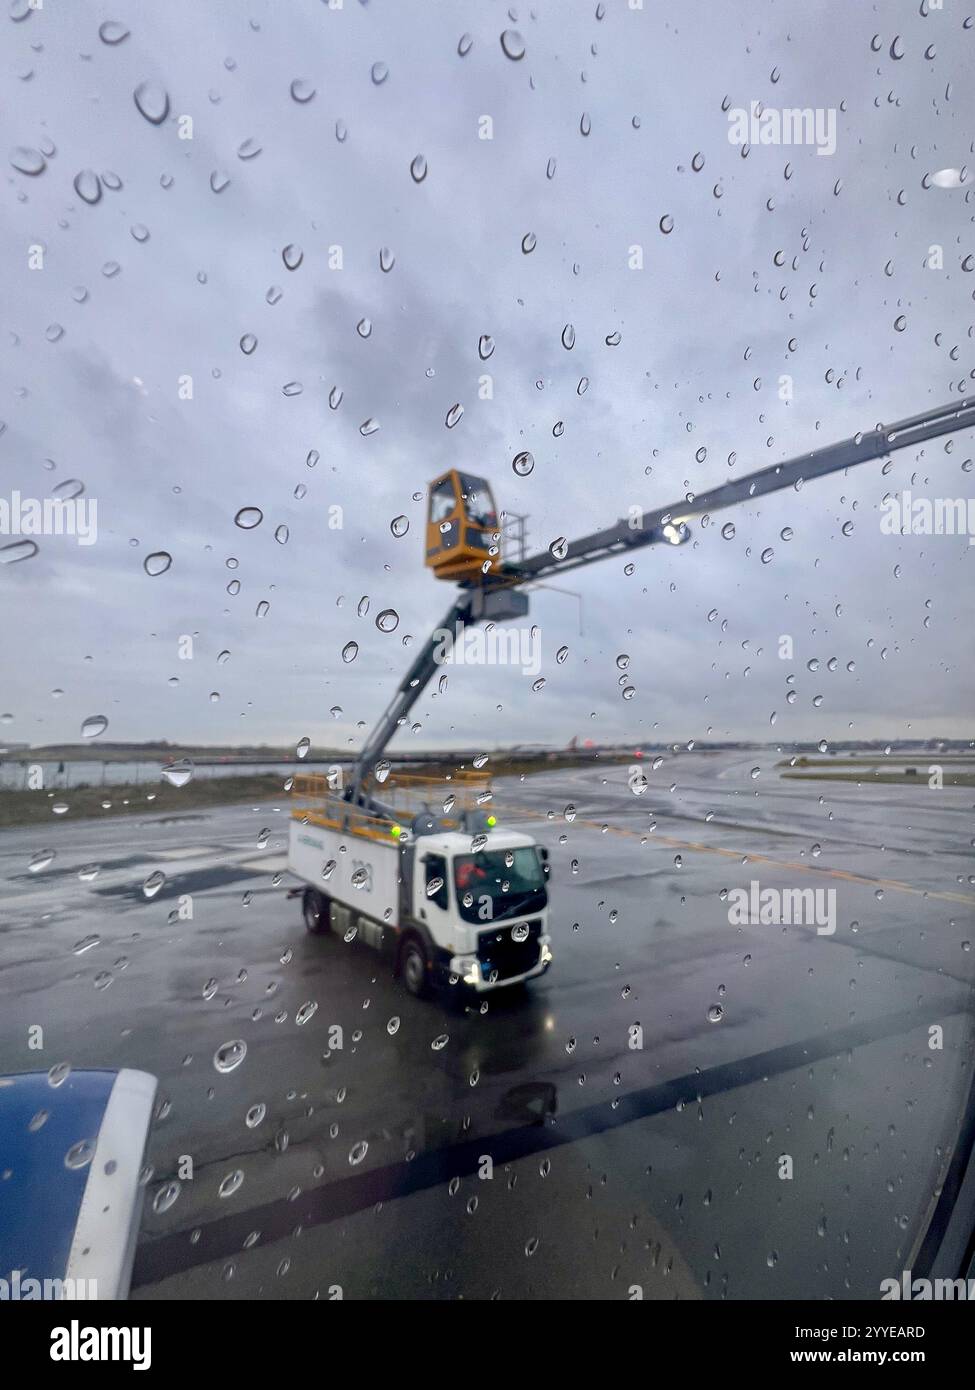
point(468, 968)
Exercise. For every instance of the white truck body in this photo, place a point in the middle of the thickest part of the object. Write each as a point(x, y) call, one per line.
point(330, 861)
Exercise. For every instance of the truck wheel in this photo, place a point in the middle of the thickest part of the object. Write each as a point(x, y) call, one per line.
point(314, 909)
point(413, 968)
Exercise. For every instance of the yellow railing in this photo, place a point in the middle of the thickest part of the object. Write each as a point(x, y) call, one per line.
point(319, 803)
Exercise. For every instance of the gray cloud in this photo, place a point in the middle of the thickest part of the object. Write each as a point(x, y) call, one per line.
point(705, 332)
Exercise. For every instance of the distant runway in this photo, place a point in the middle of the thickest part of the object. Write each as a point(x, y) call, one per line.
point(616, 1167)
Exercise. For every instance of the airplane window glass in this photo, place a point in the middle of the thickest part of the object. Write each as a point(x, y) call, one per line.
point(576, 901)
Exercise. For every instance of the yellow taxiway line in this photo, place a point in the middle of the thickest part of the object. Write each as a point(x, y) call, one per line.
point(895, 885)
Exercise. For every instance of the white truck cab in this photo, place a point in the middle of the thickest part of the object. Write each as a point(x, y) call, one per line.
point(487, 910)
point(446, 906)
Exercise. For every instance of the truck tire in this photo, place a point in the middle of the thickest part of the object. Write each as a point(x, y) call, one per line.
point(314, 909)
point(413, 967)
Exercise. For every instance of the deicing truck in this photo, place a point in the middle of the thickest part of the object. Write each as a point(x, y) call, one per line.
point(444, 894)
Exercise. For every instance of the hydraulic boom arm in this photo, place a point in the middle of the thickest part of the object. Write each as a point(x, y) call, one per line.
point(830, 459)
point(662, 524)
point(410, 690)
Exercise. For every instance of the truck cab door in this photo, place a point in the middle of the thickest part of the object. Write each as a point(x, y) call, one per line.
point(434, 894)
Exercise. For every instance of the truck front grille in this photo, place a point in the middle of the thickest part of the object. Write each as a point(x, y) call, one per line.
point(502, 957)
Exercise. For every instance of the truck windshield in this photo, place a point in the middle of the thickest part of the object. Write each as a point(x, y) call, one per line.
point(511, 879)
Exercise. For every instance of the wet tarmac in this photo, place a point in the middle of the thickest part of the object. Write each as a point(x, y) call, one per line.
point(688, 1105)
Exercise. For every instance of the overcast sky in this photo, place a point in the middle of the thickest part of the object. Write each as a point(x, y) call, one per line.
point(705, 330)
